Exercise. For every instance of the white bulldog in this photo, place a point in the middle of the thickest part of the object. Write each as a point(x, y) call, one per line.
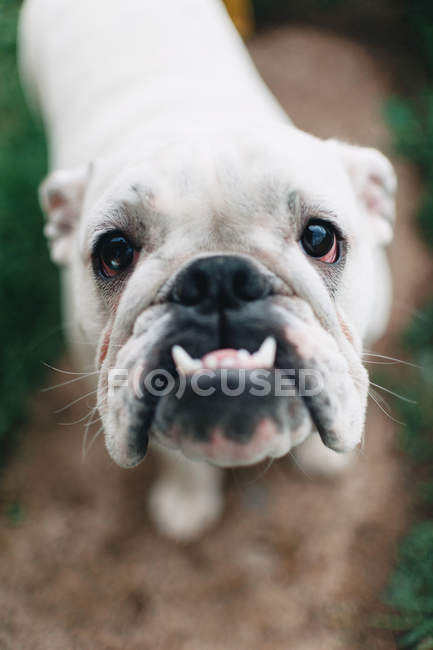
point(203, 239)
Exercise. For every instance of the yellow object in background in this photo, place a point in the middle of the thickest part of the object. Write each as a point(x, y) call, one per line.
point(241, 13)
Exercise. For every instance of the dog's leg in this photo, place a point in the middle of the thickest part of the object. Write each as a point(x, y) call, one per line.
point(314, 458)
point(187, 497)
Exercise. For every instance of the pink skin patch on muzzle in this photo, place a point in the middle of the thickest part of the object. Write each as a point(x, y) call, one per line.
point(104, 347)
point(266, 441)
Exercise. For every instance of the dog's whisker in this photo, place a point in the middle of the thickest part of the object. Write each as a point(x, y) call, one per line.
point(94, 437)
point(85, 447)
point(75, 401)
point(384, 410)
point(88, 415)
point(98, 419)
point(382, 399)
point(69, 381)
point(384, 356)
point(391, 392)
point(82, 419)
point(260, 474)
point(66, 372)
point(95, 421)
point(382, 363)
point(299, 466)
point(86, 432)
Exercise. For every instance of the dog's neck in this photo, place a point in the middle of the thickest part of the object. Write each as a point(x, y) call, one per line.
point(113, 69)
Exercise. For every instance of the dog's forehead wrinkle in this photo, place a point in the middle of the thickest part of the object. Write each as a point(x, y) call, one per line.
point(144, 193)
point(220, 192)
point(295, 203)
point(127, 219)
point(221, 180)
point(306, 203)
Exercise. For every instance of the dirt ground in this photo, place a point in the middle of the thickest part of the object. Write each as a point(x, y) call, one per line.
point(296, 563)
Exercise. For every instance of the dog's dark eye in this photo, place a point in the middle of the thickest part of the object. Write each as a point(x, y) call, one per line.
point(319, 240)
point(115, 253)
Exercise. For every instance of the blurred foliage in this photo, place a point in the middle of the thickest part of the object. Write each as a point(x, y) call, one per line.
point(412, 124)
point(419, 14)
point(410, 591)
point(29, 306)
point(15, 513)
point(417, 434)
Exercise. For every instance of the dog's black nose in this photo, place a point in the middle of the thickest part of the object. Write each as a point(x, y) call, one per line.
point(219, 281)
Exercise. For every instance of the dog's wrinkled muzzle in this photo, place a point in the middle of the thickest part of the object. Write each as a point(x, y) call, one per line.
point(234, 378)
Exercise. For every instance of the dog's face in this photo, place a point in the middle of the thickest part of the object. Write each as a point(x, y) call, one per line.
point(229, 281)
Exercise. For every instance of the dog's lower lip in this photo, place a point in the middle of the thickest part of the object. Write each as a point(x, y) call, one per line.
point(287, 358)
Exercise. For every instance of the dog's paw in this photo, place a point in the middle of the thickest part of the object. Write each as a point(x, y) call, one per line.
point(182, 514)
point(315, 459)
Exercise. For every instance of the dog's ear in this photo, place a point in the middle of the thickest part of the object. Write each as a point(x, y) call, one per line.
point(375, 184)
point(61, 197)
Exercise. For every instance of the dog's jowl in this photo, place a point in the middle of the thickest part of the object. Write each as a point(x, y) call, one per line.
point(221, 268)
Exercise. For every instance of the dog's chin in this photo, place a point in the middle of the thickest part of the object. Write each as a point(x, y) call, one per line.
point(231, 417)
point(222, 452)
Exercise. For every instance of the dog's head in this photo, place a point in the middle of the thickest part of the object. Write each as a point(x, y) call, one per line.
point(228, 283)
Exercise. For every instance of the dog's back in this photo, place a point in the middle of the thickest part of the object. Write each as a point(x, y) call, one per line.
point(103, 70)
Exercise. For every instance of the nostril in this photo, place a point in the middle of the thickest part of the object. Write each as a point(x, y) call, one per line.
point(193, 289)
point(219, 282)
point(248, 286)
point(241, 285)
point(200, 286)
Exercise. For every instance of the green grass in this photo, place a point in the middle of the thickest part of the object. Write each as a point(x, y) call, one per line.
point(29, 305)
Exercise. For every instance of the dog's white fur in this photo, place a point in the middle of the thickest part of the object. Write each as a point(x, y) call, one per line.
point(163, 95)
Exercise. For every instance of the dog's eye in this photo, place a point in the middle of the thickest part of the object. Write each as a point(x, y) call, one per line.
point(319, 240)
point(115, 253)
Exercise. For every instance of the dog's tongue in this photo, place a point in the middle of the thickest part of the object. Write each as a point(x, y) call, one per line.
point(228, 358)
